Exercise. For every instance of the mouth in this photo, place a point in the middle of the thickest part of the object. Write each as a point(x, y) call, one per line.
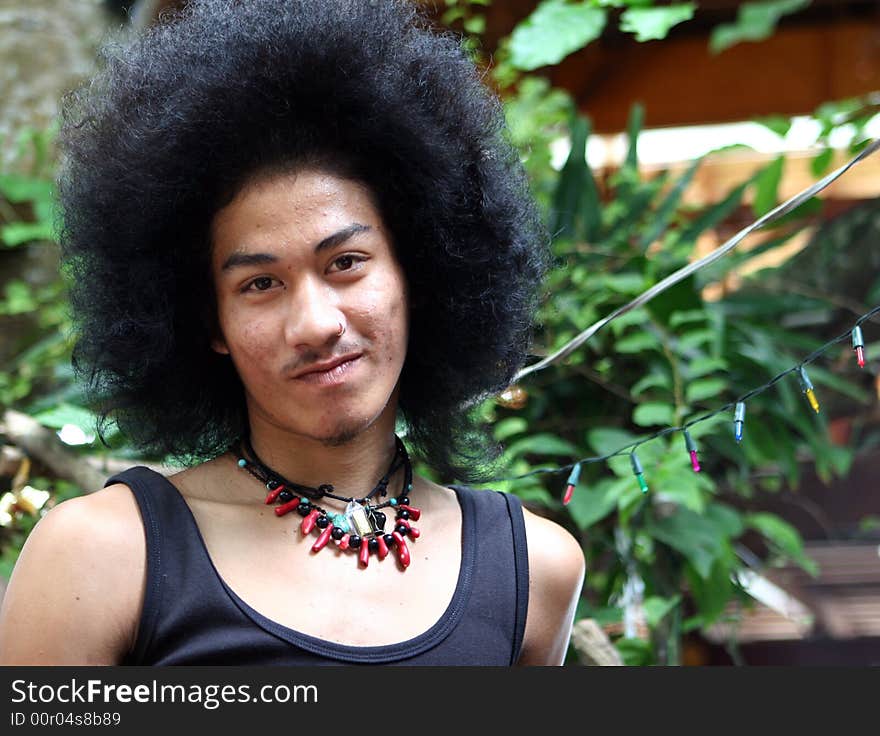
point(332, 376)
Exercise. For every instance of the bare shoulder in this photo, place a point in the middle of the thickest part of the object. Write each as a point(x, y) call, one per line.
point(556, 575)
point(77, 588)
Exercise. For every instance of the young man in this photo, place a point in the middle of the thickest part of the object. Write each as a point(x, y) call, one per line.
point(294, 227)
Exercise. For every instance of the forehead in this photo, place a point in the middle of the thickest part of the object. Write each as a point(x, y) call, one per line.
point(299, 207)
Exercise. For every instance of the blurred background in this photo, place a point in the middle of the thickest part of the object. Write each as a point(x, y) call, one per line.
point(651, 132)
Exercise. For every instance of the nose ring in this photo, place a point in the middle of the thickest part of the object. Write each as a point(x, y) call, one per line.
point(341, 330)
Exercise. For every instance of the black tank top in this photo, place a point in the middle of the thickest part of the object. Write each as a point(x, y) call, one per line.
point(190, 616)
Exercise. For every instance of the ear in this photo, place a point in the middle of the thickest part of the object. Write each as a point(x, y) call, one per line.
point(218, 345)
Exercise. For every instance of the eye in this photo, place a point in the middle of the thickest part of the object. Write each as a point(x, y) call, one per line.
point(261, 283)
point(347, 260)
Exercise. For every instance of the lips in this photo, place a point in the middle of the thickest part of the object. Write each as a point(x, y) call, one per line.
point(329, 365)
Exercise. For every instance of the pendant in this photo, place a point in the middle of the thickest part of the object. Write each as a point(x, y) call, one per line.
point(358, 519)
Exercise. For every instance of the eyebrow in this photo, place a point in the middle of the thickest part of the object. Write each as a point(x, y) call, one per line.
point(240, 258)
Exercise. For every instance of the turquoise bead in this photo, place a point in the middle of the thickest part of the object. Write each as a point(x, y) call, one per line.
point(393, 502)
point(242, 462)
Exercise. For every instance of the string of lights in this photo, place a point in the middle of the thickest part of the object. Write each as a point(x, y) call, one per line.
point(856, 337)
point(739, 404)
point(783, 209)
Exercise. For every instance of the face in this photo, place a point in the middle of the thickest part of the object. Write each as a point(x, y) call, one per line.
point(295, 258)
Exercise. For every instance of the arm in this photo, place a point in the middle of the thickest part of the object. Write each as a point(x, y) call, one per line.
point(75, 593)
point(556, 576)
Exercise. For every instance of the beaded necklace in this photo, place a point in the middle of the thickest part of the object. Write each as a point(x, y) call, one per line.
point(361, 526)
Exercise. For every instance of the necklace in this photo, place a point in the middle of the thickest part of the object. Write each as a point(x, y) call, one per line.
point(361, 526)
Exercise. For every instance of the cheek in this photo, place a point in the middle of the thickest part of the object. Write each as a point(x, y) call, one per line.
point(248, 336)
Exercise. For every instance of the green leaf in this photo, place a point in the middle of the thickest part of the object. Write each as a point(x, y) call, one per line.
point(696, 338)
point(637, 342)
point(711, 593)
point(651, 414)
point(541, 444)
point(63, 414)
point(623, 283)
point(605, 440)
point(696, 537)
point(705, 366)
point(713, 215)
point(635, 652)
point(576, 198)
point(767, 187)
point(475, 24)
point(755, 21)
point(704, 388)
point(591, 503)
point(657, 607)
point(725, 518)
point(18, 233)
point(681, 485)
point(553, 31)
point(654, 23)
point(633, 129)
point(820, 163)
point(20, 298)
point(18, 188)
point(687, 316)
point(654, 380)
point(784, 536)
point(778, 124)
point(667, 208)
point(510, 426)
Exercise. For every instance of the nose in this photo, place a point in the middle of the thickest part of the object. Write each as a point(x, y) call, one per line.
point(314, 316)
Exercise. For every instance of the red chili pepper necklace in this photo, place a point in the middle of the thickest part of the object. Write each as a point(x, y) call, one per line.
point(361, 526)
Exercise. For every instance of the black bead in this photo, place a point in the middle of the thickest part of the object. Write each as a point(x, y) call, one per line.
point(380, 519)
point(403, 514)
point(304, 508)
point(325, 488)
point(403, 500)
point(389, 540)
point(337, 533)
point(401, 529)
point(285, 496)
point(354, 541)
point(373, 545)
point(272, 485)
point(322, 521)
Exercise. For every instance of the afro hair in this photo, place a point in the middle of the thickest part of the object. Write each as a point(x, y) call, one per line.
point(179, 118)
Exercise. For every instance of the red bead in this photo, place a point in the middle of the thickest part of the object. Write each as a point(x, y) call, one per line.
point(273, 494)
point(364, 553)
point(569, 490)
point(414, 513)
point(285, 507)
point(308, 523)
point(343, 543)
point(860, 356)
point(413, 531)
point(402, 549)
point(383, 548)
point(322, 538)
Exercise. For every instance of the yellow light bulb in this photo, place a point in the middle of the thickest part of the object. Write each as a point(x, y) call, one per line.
point(811, 397)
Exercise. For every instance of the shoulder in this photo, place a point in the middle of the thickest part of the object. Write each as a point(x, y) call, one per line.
point(76, 590)
point(556, 575)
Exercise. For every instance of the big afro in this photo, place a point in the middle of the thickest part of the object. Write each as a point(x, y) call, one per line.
point(179, 118)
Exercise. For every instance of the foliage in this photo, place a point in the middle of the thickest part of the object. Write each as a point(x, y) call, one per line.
point(666, 363)
point(559, 28)
point(755, 21)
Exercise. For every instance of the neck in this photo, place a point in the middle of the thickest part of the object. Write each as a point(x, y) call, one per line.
point(353, 466)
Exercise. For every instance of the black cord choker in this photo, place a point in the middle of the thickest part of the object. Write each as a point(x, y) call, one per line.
point(361, 526)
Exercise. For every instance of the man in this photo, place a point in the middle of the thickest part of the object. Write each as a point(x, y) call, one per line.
point(293, 228)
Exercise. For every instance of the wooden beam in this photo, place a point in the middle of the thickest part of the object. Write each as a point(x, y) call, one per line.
point(681, 83)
